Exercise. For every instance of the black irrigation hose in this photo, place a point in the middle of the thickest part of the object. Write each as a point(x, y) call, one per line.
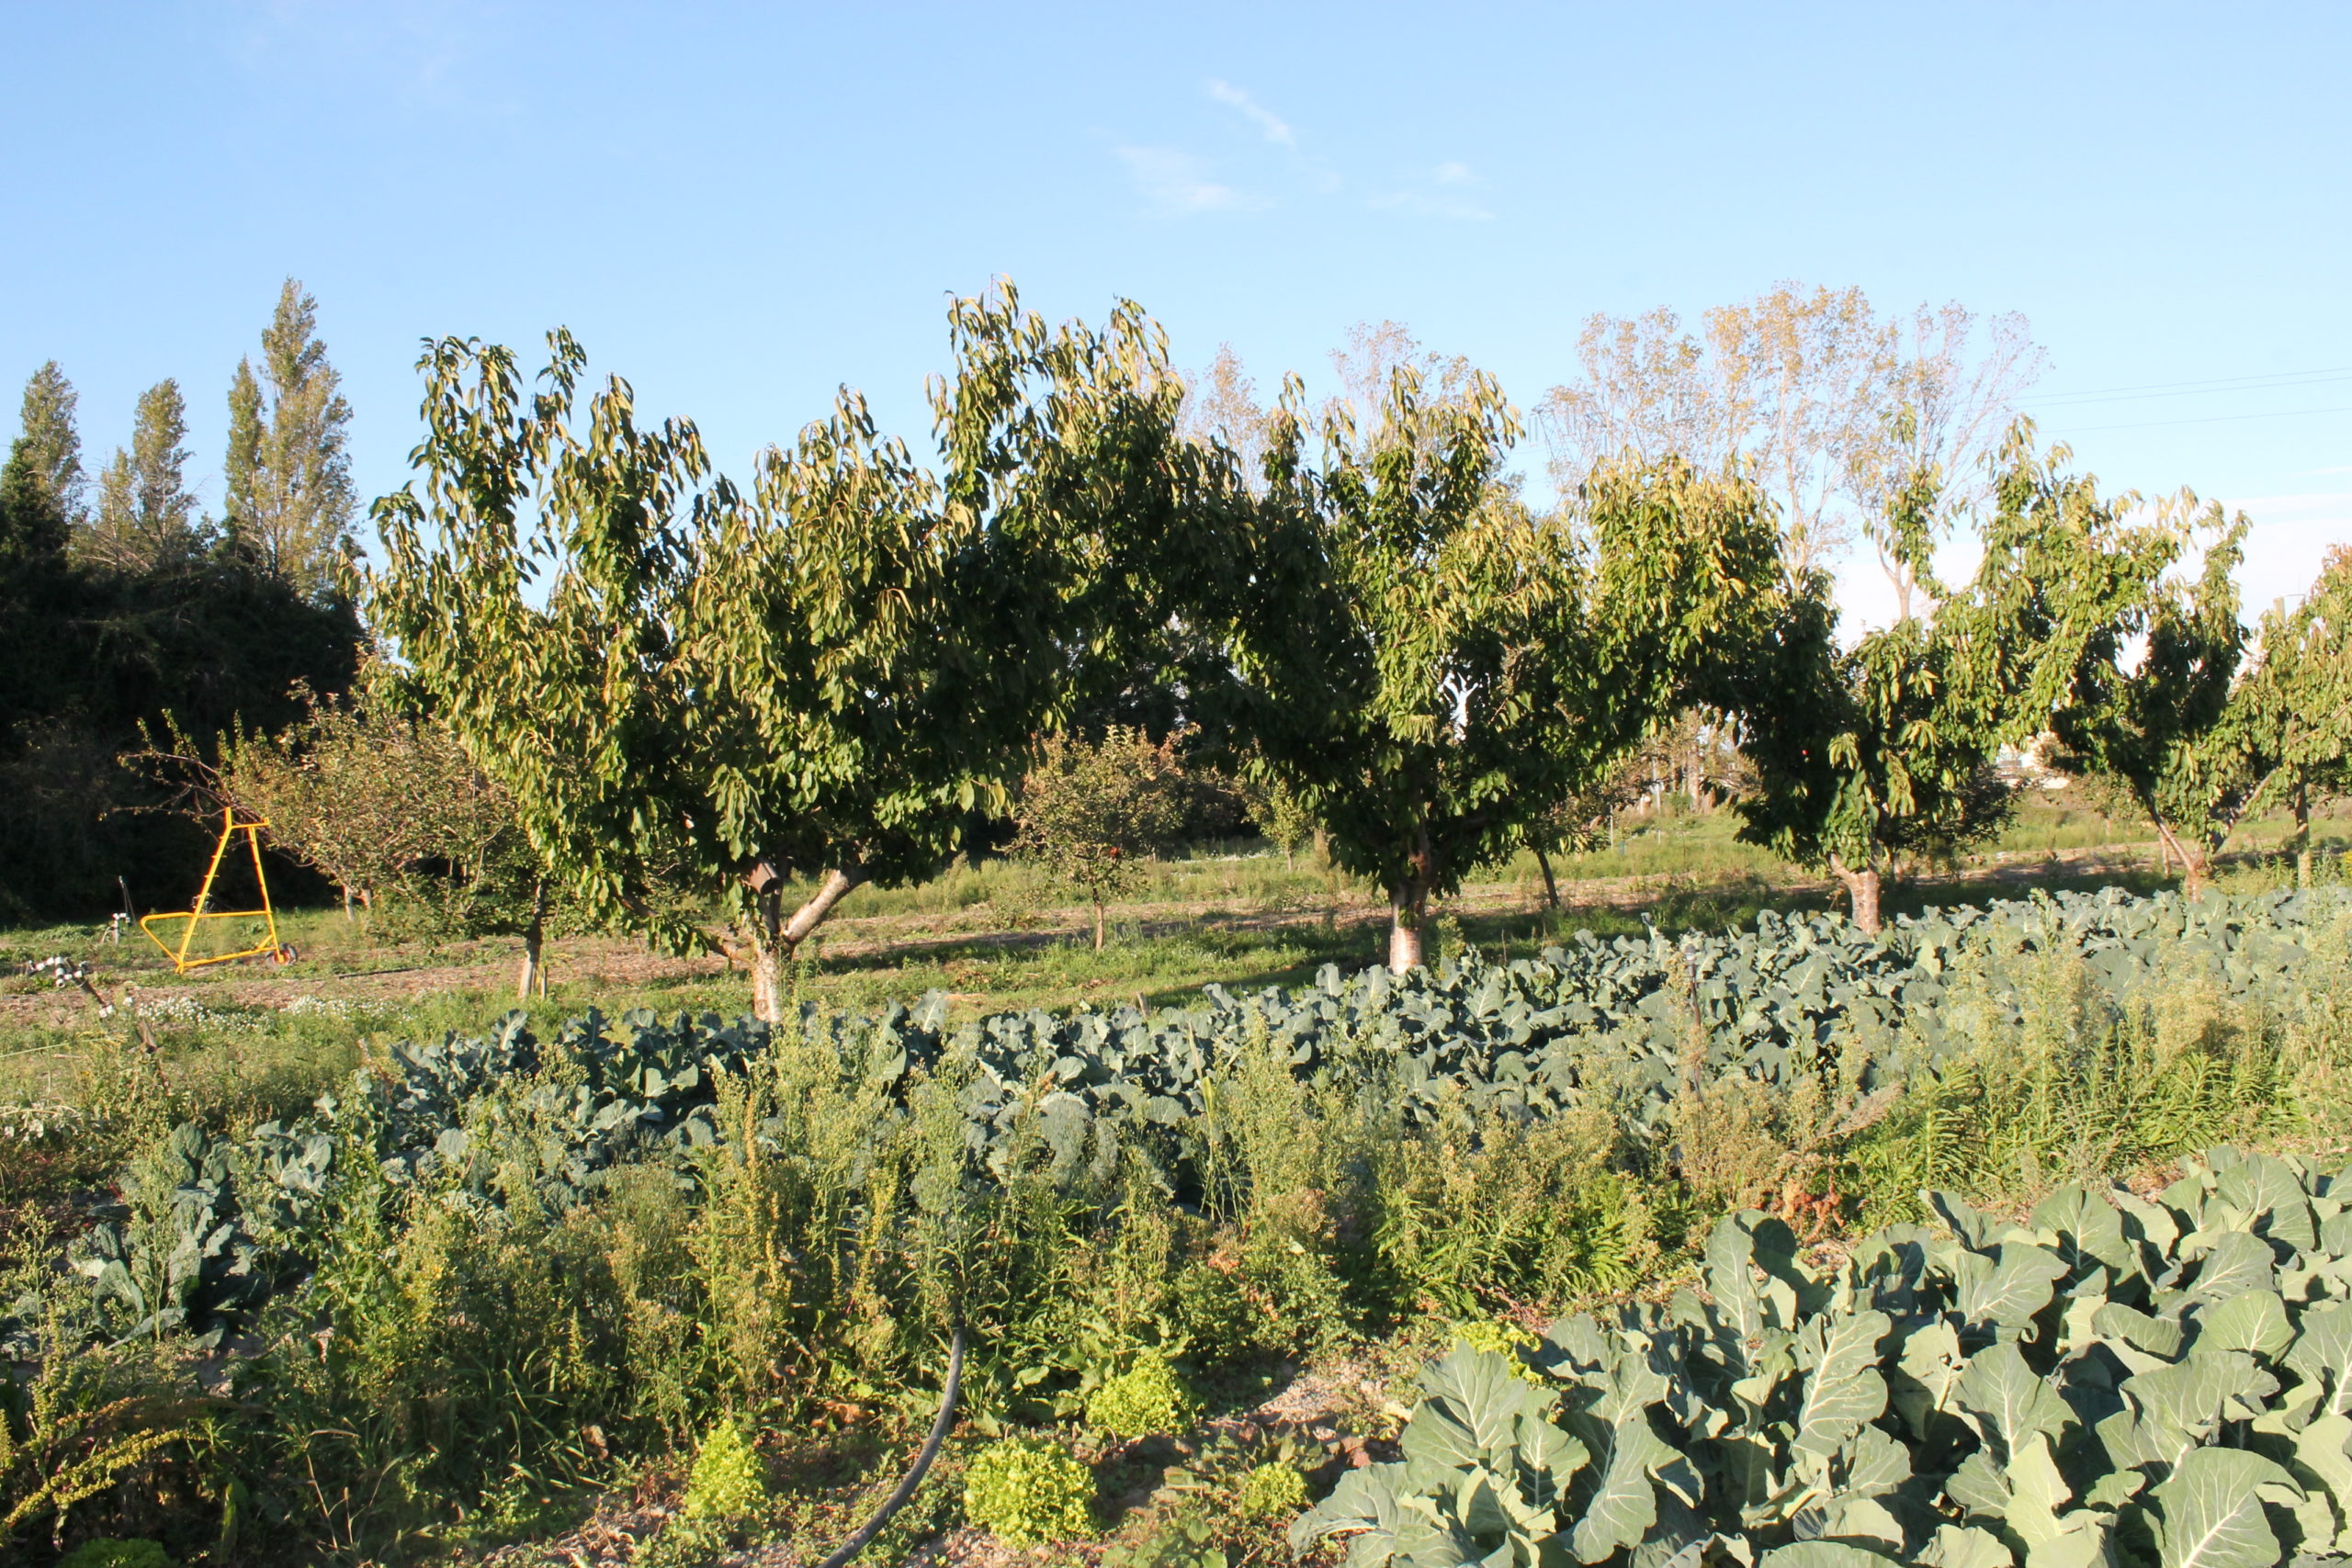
point(857, 1543)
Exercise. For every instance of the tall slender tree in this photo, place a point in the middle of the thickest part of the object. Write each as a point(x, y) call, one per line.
point(146, 516)
point(290, 498)
point(33, 526)
point(52, 443)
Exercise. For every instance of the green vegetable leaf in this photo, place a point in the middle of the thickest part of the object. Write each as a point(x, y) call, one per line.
point(2210, 1512)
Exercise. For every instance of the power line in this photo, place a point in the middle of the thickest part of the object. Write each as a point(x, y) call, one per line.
point(2215, 419)
point(2270, 377)
point(2309, 380)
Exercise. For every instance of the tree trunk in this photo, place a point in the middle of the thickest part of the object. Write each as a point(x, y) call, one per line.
point(1551, 887)
point(535, 973)
point(774, 940)
point(1097, 925)
point(766, 934)
point(2302, 809)
point(1408, 918)
point(2196, 861)
point(1861, 890)
point(2195, 871)
point(1408, 910)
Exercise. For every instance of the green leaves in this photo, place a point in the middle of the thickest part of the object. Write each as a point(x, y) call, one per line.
point(1789, 1420)
point(1428, 667)
point(2209, 1511)
point(692, 691)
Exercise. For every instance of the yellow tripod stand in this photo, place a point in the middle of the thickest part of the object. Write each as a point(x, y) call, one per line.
point(181, 962)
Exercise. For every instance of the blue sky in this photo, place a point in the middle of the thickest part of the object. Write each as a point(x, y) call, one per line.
point(740, 206)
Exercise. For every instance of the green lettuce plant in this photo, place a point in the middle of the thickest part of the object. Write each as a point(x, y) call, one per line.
point(1149, 1397)
point(1028, 1490)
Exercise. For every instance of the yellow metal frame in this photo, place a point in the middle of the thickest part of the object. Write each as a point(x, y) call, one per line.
point(181, 962)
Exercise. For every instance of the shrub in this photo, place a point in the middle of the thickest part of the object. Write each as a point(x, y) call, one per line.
point(118, 1554)
point(1271, 1492)
point(1028, 1490)
point(1147, 1397)
point(730, 1481)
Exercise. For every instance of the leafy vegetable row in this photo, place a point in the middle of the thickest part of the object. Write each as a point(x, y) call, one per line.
point(1627, 1020)
point(2118, 1381)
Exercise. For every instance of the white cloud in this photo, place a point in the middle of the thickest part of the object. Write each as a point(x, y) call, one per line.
point(1277, 129)
point(1177, 185)
point(1446, 191)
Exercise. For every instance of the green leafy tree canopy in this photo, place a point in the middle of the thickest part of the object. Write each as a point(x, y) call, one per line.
point(674, 679)
point(1091, 811)
point(1427, 664)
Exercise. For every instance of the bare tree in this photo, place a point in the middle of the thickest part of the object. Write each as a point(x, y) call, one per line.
point(1223, 402)
point(1829, 403)
point(1814, 375)
point(1957, 380)
point(1374, 353)
point(1649, 390)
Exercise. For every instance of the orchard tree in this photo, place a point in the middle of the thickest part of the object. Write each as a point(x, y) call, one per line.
point(1677, 751)
point(1277, 811)
point(1867, 754)
point(2171, 722)
point(384, 803)
point(1091, 811)
point(1425, 664)
point(819, 679)
point(2300, 700)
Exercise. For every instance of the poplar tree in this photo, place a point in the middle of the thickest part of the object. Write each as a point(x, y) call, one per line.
point(287, 472)
point(33, 526)
point(146, 517)
point(52, 444)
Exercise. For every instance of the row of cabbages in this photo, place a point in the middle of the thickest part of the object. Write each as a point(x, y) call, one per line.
point(1628, 1020)
point(2115, 1381)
